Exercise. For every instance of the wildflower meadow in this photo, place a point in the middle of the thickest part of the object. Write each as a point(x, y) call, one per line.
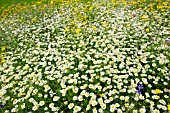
point(80, 56)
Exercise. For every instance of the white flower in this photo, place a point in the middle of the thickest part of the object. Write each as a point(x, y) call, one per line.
point(75, 98)
point(94, 103)
point(141, 97)
point(51, 105)
point(100, 100)
point(164, 108)
point(117, 105)
point(88, 107)
point(156, 111)
point(80, 98)
point(53, 109)
point(135, 111)
point(46, 108)
point(40, 95)
point(56, 98)
point(15, 101)
point(122, 97)
point(103, 106)
point(119, 111)
point(41, 103)
point(111, 98)
point(66, 102)
point(107, 101)
point(77, 108)
point(23, 106)
point(71, 105)
point(13, 110)
point(142, 110)
point(6, 111)
point(34, 108)
point(100, 110)
point(112, 108)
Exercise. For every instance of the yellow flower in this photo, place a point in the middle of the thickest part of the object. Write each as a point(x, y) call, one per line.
point(1, 60)
point(101, 95)
point(84, 9)
point(169, 107)
point(91, 8)
point(26, 67)
point(147, 29)
point(160, 7)
point(22, 94)
point(34, 19)
point(158, 0)
point(20, 20)
point(168, 7)
point(3, 48)
point(78, 30)
point(94, 28)
point(157, 91)
point(134, 3)
point(139, 57)
point(164, 3)
point(104, 23)
point(143, 16)
point(66, 30)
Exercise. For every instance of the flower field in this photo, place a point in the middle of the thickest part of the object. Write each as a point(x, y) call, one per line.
point(85, 56)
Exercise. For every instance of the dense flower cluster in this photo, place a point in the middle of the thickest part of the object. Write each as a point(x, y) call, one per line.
point(92, 57)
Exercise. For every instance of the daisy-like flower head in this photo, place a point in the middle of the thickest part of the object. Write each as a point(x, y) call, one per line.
point(94, 110)
point(77, 108)
point(41, 103)
point(142, 110)
point(51, 105)
point(135, 111)
point(112, 108)
point(86, 47)
point(156, 111)
point(119, 111)
point(34, 108)
point(71, 105)
point(56, 98)
point(23, 106)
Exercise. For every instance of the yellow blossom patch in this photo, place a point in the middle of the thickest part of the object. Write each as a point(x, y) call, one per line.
point(66, 29)
point(78, 30)
point(144, 16)
point(160, 7)
point(157, 91)
point(3, 48)
point(26, 67)
point(33, 19)
point(1, 60)
point(147, 30)
point(101, 95)
point(91, 8)
point(169, 107)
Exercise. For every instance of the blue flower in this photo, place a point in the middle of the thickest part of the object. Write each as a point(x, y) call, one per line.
point(139, 91)
point(140, 86)
point(1, 106)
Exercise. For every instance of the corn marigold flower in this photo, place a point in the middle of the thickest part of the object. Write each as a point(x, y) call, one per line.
point(168, 107)
point(157, 91)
